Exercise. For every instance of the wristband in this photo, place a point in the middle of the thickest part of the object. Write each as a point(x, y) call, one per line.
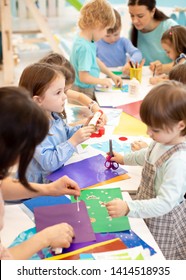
point(92, 103)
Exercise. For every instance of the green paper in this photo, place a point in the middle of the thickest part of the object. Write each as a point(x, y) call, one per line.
point(84, 146)
point(101, 221)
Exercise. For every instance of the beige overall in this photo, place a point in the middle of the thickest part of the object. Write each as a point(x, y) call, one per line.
point(168, 230)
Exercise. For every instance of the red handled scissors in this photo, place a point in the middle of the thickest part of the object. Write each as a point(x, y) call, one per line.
point(108, 163)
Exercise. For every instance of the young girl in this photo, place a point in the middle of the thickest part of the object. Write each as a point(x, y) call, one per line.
point(96, 16)
point(174, 43)
point(47, 84)
point(160, 198)
point(112, 49)
point(22, 126)
point(72, 95)
point(178, 73)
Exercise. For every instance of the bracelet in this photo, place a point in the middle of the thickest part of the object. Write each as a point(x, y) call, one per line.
point(92, 103)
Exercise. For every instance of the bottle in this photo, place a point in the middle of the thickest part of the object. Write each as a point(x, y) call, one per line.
point(95, 118)
point(134, 85)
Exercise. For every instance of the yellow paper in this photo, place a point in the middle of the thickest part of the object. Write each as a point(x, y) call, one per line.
point(130, 126)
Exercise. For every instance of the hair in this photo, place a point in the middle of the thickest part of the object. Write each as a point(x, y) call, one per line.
point(60, 60)
point(178, 73)
point(117, 24)
point(96, 13)
point(164, 106)
point(150, 4)
point(23, 125)
point(176, 38)
point(37, 77)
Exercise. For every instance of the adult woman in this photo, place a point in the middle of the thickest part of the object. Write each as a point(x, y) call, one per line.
point(149, 24)
point(23, 125)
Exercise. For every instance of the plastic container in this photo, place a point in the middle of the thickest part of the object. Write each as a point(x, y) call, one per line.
point(134, 86)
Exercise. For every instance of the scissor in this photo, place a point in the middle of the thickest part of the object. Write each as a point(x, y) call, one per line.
point(108, 163)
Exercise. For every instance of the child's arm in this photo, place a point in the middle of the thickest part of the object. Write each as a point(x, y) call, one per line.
point(158, 79)
point(117, 208)
point(104, 69)
point(57, 236)
point(86, 78)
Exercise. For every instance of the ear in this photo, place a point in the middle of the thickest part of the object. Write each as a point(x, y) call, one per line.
point(37, 99)
point(181, 125)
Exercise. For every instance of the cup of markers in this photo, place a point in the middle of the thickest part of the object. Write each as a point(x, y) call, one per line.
point(136, 70)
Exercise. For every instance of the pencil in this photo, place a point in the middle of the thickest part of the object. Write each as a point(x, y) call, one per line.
point(154, 72)
point(132, 66)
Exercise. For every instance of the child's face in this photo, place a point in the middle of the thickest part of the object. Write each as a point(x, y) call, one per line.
point(99, 33)
point(167, 136)
point(54, 97)
point(171, 53)
point(111, 38)
point(141, 17)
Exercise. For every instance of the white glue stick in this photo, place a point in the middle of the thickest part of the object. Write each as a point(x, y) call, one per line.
point(95, 118)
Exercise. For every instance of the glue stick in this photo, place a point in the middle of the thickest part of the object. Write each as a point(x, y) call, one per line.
point(95, 118)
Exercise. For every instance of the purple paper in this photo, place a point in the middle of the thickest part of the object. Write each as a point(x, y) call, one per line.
point(66, 213)
point(100, 237)
point(87, 172)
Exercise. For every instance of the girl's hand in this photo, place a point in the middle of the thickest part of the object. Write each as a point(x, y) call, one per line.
point(106, 82)
point(117, 208)
point(81, 135)
point(59, 235)
point(156, 67)
point(158, 79)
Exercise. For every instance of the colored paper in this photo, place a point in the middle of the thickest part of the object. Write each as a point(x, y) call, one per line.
point(95, 200)
point(117, 147)
point(123, 88)
point(87, 172)
point(130, 126)
point(100, 237)
point(66, 213)
point(45, 201)
point(132, 109)
point(110, 245)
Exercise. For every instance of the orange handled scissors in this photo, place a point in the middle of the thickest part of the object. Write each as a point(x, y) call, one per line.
point(108, 163)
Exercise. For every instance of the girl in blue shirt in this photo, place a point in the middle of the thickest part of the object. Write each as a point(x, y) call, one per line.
point(47, 84)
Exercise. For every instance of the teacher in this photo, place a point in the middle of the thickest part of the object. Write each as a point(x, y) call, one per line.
point(148, 25)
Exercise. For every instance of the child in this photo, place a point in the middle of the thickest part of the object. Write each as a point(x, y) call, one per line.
point(46, 84)
point(178, 73)
point(174, 43)
point(113, 50)
point(160, 198)
point(22, 126)
point(72, 95)
point(96, 16)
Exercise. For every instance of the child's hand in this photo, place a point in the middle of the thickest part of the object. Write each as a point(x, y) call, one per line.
point(117, 158)
point(117, 208)
point(126, 69)
point(158, 79)
point(81, 135)
point(156, 66)
point(138, 145)
point(117, 80)
point(59, 235)
point(106, 82)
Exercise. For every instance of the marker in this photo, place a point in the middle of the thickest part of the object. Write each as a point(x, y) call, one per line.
point(154, 72)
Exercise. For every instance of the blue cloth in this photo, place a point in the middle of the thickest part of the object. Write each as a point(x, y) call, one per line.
point(150, 43)
point(114, 55)
point(83, 58)
point(53, 151)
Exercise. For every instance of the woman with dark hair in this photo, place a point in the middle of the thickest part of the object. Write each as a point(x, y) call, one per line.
point(23, 125)
point(148, 25)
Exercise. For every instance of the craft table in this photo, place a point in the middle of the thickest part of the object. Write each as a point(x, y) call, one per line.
point(17, 221)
